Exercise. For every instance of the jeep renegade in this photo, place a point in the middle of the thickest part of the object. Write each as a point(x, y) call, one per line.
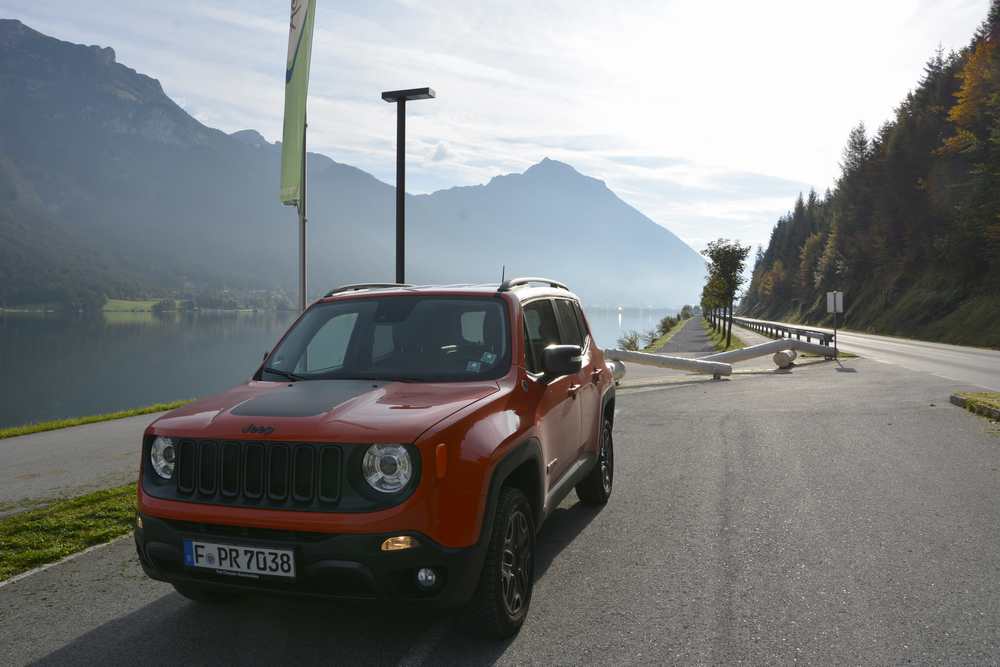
point(399, 443)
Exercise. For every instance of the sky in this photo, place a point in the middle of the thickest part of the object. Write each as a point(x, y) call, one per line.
point(709, 117)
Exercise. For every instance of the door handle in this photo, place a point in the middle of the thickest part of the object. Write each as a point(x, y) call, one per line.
point(595, 374)
point(573, 389)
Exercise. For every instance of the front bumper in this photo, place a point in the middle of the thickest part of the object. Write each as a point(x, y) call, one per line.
point(346, 566)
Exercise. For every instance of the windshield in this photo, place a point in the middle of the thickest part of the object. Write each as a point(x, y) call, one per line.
point(414, 338)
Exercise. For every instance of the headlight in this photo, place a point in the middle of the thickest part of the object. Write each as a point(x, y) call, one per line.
point(387, 468)
point(162, 455)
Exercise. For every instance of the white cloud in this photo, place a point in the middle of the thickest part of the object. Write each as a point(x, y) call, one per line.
point(708, 117)
point(441, 153)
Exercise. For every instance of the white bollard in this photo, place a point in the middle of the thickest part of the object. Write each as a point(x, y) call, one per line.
point(665, 361)
point(617, 369)
point(784, 358)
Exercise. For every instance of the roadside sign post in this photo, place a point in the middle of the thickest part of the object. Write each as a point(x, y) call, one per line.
point(835, 305)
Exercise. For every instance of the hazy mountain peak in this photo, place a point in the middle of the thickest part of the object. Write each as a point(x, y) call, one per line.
point(251, 138)
point(64, 79)
point(550, 166)
point(553, 173)
point(14, 33)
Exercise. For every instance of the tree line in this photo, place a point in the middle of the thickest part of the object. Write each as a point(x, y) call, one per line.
point(911, 230)
point(727, 261)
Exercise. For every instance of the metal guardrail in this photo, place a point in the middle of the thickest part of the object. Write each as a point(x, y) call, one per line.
point(779, 330)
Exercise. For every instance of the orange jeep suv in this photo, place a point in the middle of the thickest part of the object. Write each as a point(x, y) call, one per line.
point(399, 443)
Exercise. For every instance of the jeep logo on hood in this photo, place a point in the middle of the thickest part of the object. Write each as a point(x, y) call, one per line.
point(262, 430)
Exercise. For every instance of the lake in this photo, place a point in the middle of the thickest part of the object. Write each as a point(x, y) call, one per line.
point(68, 366)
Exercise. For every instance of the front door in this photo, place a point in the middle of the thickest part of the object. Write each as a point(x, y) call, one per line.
point(558, 417)
point(574, 332)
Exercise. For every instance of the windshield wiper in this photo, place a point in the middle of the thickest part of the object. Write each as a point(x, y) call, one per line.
point(285, 374)
point(389, 378)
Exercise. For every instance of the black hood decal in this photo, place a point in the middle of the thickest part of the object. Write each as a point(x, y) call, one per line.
point(304, 398)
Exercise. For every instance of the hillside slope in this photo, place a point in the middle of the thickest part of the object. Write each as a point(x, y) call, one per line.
point(152, 200)
point(911, 233)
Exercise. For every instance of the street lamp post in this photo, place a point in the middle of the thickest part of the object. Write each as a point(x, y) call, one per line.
point(400, 97)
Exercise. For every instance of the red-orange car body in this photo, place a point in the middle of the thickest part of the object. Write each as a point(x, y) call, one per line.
point(471, 438)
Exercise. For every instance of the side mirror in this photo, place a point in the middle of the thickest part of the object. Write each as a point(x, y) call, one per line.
point(562, 360)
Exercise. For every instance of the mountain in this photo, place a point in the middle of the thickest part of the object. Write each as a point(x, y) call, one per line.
point(109, 188)
point(911, 232)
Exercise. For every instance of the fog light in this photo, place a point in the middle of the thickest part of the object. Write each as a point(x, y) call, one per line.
point(400, 542)
point(426, 577)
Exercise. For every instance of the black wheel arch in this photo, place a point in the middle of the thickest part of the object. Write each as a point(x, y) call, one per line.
point(522, 467)
point(608, 404)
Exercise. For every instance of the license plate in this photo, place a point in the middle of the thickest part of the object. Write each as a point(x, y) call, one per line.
point(239, 560)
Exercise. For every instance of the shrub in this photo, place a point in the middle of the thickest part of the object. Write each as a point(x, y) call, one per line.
point(629, 341)
point(666, 324)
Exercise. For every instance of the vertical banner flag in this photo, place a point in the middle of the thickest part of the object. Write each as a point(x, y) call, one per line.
point(296, 88)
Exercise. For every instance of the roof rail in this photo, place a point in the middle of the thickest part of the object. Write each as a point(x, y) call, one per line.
point(518, 282)
point(360, 286)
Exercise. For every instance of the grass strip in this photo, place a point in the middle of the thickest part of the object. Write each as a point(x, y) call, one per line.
point(52, 425)
point(718, 338)
point(64, 527)
point(985, 403)
point(657, 344)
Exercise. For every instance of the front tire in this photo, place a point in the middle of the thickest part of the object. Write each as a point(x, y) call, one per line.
point(595, 489)
point(501, 601)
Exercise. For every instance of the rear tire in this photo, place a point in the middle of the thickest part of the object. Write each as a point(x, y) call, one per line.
point(204, 594)
point(595, 489)
point(501, 601)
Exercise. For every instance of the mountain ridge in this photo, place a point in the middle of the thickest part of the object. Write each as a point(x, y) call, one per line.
point(164, 203)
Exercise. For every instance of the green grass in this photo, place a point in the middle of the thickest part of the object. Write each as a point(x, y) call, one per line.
point(130, 306)
point(718, 338)
point(52, 425)
point(989, 399)
point(40, 536)
point(657, 344)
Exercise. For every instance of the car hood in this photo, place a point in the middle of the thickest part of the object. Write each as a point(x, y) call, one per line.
point(323, 410)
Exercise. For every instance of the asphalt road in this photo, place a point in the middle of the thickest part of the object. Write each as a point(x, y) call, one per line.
point(690, 341)
point(70, 461)
point(833, 514)
point(971, 365)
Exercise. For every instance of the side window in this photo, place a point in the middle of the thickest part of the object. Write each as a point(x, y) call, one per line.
point(541, 329)
point(328, 347)
point(383, 342)
point(532, 364)
point(570, 325)
point(581, 320)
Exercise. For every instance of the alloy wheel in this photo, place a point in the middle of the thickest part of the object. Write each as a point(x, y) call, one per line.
point(515, 564)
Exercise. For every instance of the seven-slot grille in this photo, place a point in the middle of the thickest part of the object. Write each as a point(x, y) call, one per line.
point(265, 474)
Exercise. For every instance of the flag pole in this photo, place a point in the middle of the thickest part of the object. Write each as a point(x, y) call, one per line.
point(293, 171)
point(302, 225)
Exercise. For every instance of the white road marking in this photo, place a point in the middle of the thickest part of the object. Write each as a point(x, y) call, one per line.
point(42, 568)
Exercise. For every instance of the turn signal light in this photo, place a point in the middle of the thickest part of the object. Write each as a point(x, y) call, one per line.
point(399, 543)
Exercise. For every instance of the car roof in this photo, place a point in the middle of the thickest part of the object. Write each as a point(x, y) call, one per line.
point(522, 288)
